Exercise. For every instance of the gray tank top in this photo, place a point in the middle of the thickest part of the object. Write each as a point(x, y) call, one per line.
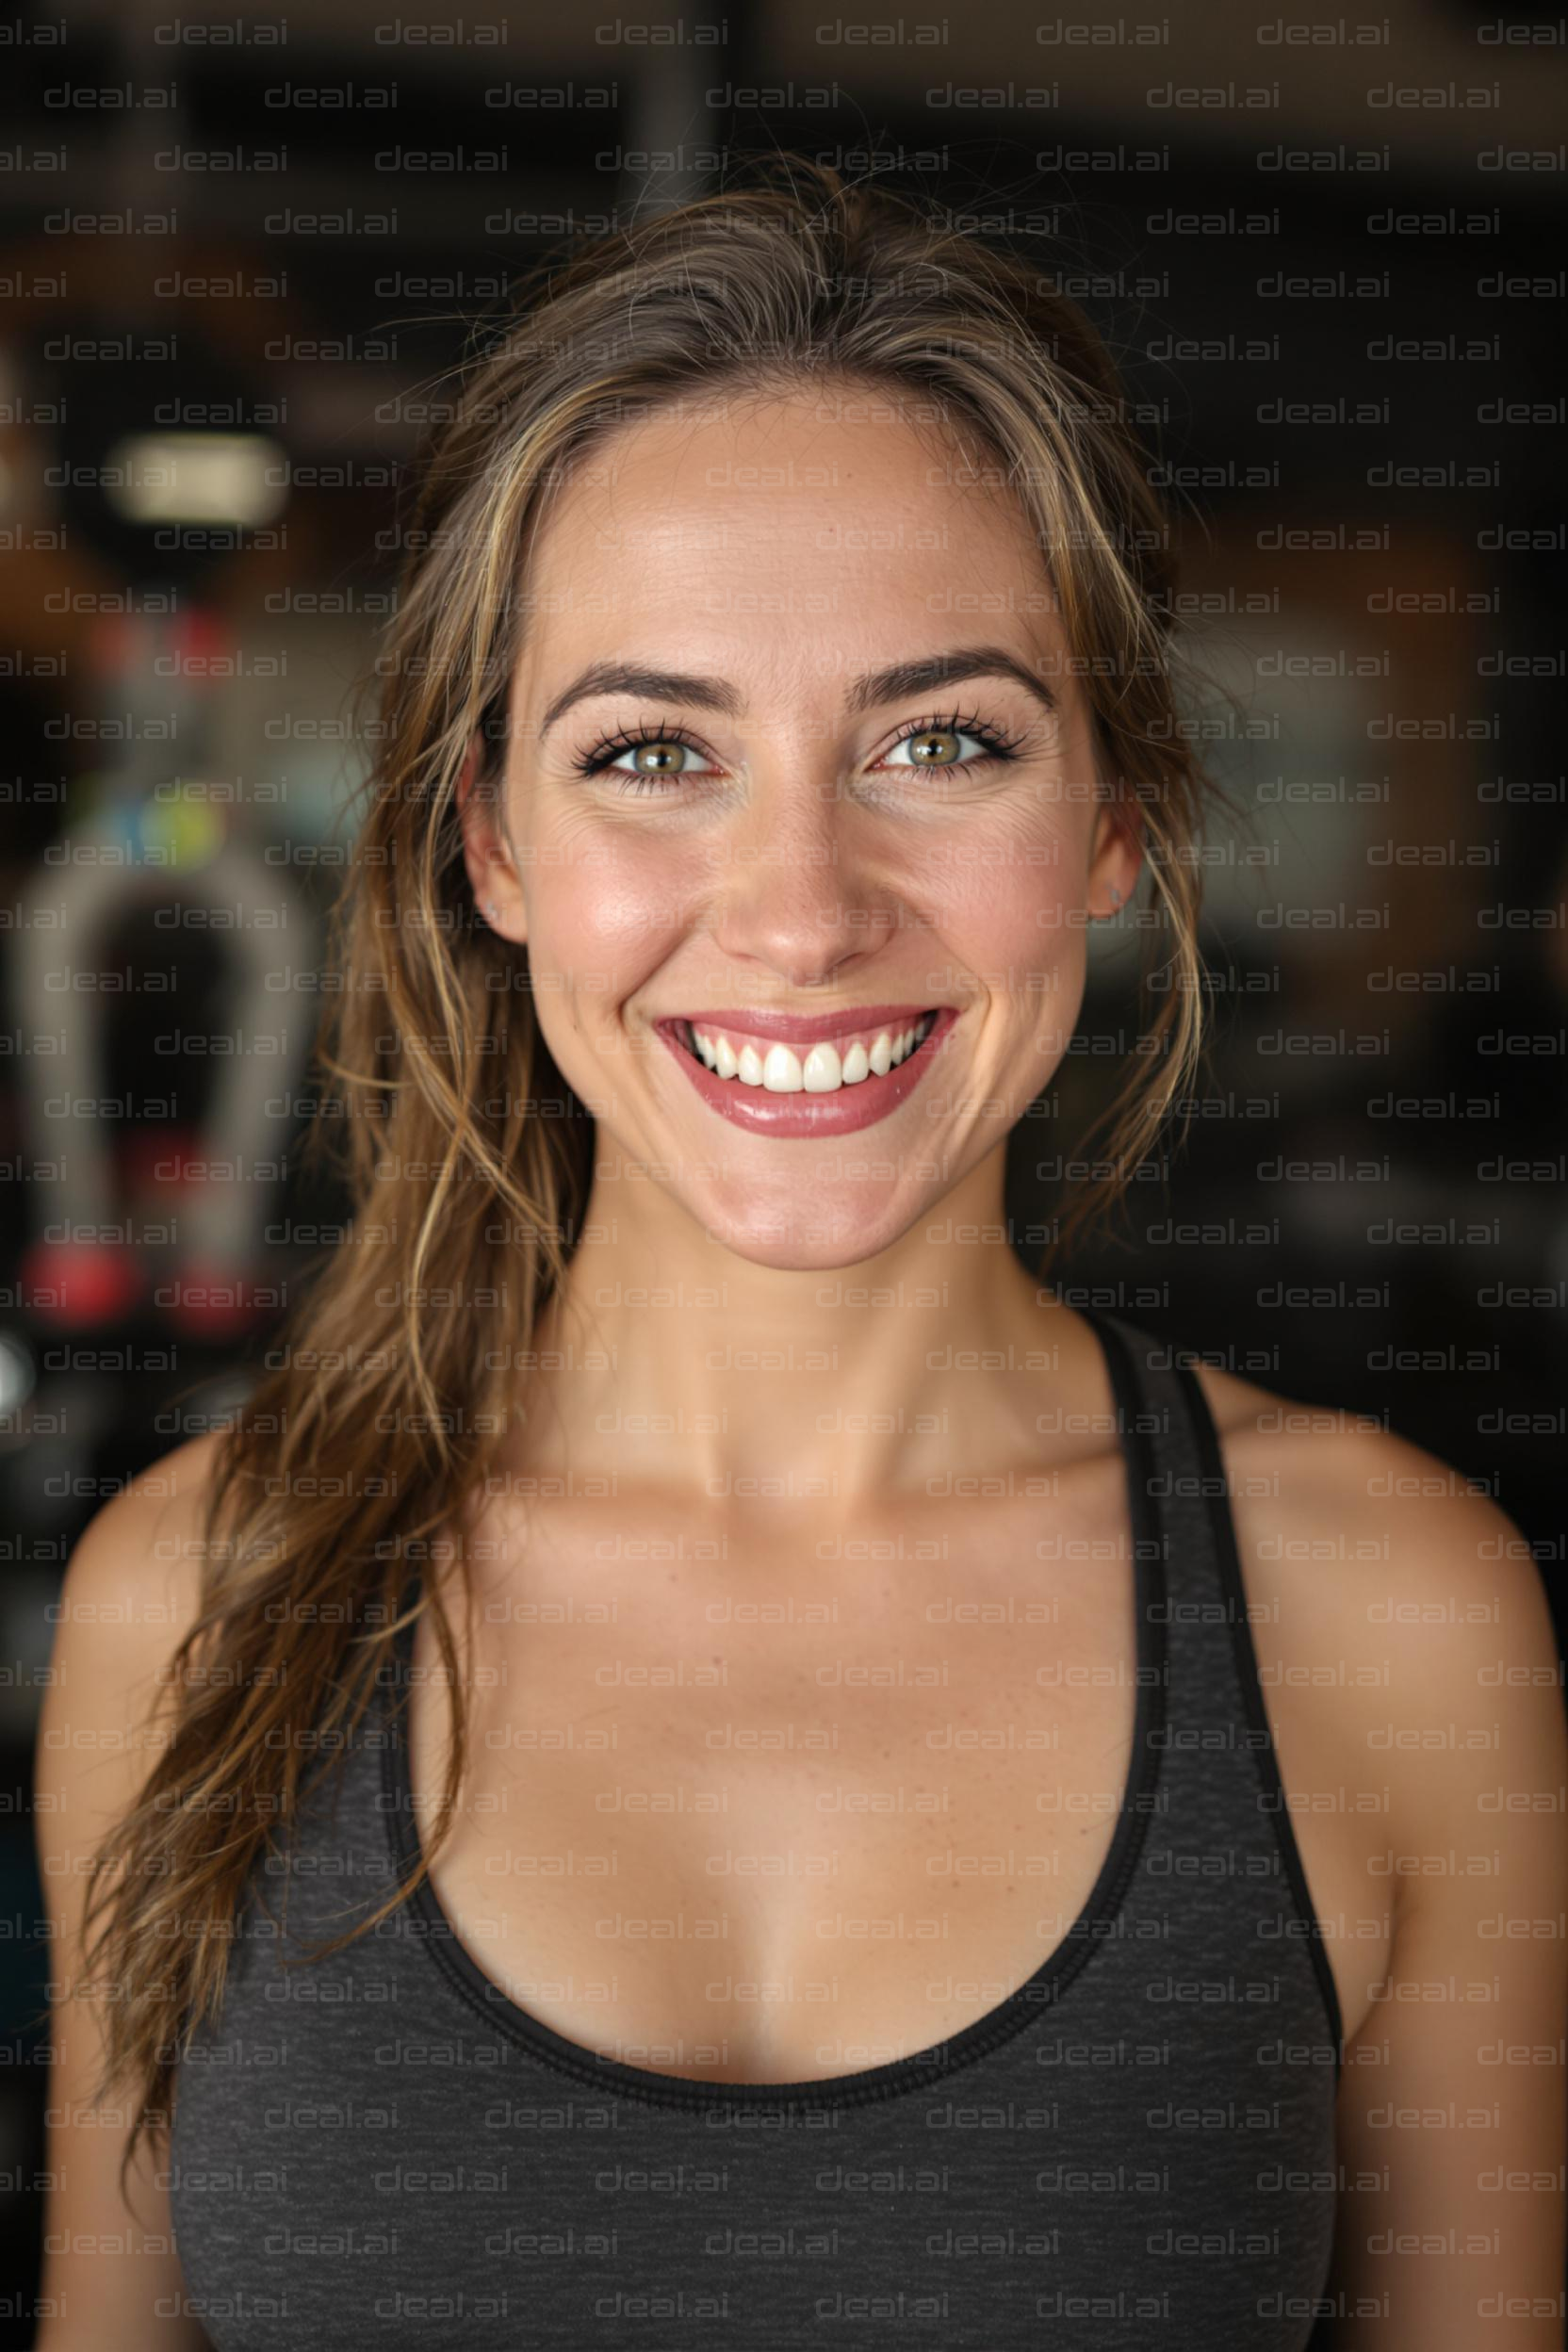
point(1136, 2149)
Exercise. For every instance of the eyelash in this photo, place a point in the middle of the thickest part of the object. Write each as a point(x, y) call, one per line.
point(999, 745)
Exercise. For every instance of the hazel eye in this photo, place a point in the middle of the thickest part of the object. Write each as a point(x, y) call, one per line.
point(655, 756)
point(937, 747)
point(661, 757)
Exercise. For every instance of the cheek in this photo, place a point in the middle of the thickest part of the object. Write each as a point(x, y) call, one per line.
point(602, 915)
point(1013, 909)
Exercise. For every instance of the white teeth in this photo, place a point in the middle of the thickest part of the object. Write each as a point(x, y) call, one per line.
point(822, 1071)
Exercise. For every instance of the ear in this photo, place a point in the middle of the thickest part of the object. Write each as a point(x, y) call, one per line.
point(491, 868)
point(1115, 860)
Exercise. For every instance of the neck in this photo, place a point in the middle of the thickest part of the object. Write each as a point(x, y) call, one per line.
point(684, 1366)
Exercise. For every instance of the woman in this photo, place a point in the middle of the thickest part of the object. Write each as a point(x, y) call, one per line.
point(719, 1784)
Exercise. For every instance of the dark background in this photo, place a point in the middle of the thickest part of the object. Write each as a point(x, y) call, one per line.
point(1328, 254)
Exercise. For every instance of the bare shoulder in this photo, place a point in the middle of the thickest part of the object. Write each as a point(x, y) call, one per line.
point(1376, 1516)
point(1395, 1586)
point(132, 1589)
point(170, 1494)
point(139, 1560)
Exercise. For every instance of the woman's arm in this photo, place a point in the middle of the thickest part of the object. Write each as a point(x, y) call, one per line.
point(111, 2282)
point(1453, 2098)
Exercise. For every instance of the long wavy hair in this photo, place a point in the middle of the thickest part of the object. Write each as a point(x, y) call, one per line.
point(465, 1154)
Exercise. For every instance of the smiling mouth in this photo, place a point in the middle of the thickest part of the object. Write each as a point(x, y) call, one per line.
point(827, 1067)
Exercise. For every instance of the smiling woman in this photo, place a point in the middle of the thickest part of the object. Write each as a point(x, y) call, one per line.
point(808, 811)
point(866, 1888)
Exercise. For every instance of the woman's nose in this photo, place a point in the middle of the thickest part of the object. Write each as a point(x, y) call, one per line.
point(801, 887)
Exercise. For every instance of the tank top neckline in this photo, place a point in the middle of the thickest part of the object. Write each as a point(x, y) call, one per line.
point(920, 2068)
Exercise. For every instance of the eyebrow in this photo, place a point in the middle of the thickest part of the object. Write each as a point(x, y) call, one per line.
point(893, 684)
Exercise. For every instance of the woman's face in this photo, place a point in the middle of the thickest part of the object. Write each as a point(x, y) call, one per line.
point(796, 758)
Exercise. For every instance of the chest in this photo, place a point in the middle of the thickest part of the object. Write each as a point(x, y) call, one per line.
point(800, 1812)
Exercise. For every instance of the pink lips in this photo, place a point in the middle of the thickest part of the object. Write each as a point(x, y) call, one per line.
point(786, 1116)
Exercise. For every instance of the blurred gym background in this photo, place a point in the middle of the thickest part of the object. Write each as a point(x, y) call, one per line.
point(237, 256)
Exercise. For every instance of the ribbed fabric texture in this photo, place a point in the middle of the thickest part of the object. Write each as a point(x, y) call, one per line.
point(1135, 2150)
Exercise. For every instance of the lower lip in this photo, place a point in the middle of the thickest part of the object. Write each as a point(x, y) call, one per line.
point(790, 1115)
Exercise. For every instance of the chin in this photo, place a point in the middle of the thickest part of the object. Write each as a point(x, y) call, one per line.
point(802, 1237)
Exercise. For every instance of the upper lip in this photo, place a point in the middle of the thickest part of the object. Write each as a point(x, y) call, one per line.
point(811, 1028)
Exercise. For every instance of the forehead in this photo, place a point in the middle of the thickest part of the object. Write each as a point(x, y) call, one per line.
point(833, 528)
